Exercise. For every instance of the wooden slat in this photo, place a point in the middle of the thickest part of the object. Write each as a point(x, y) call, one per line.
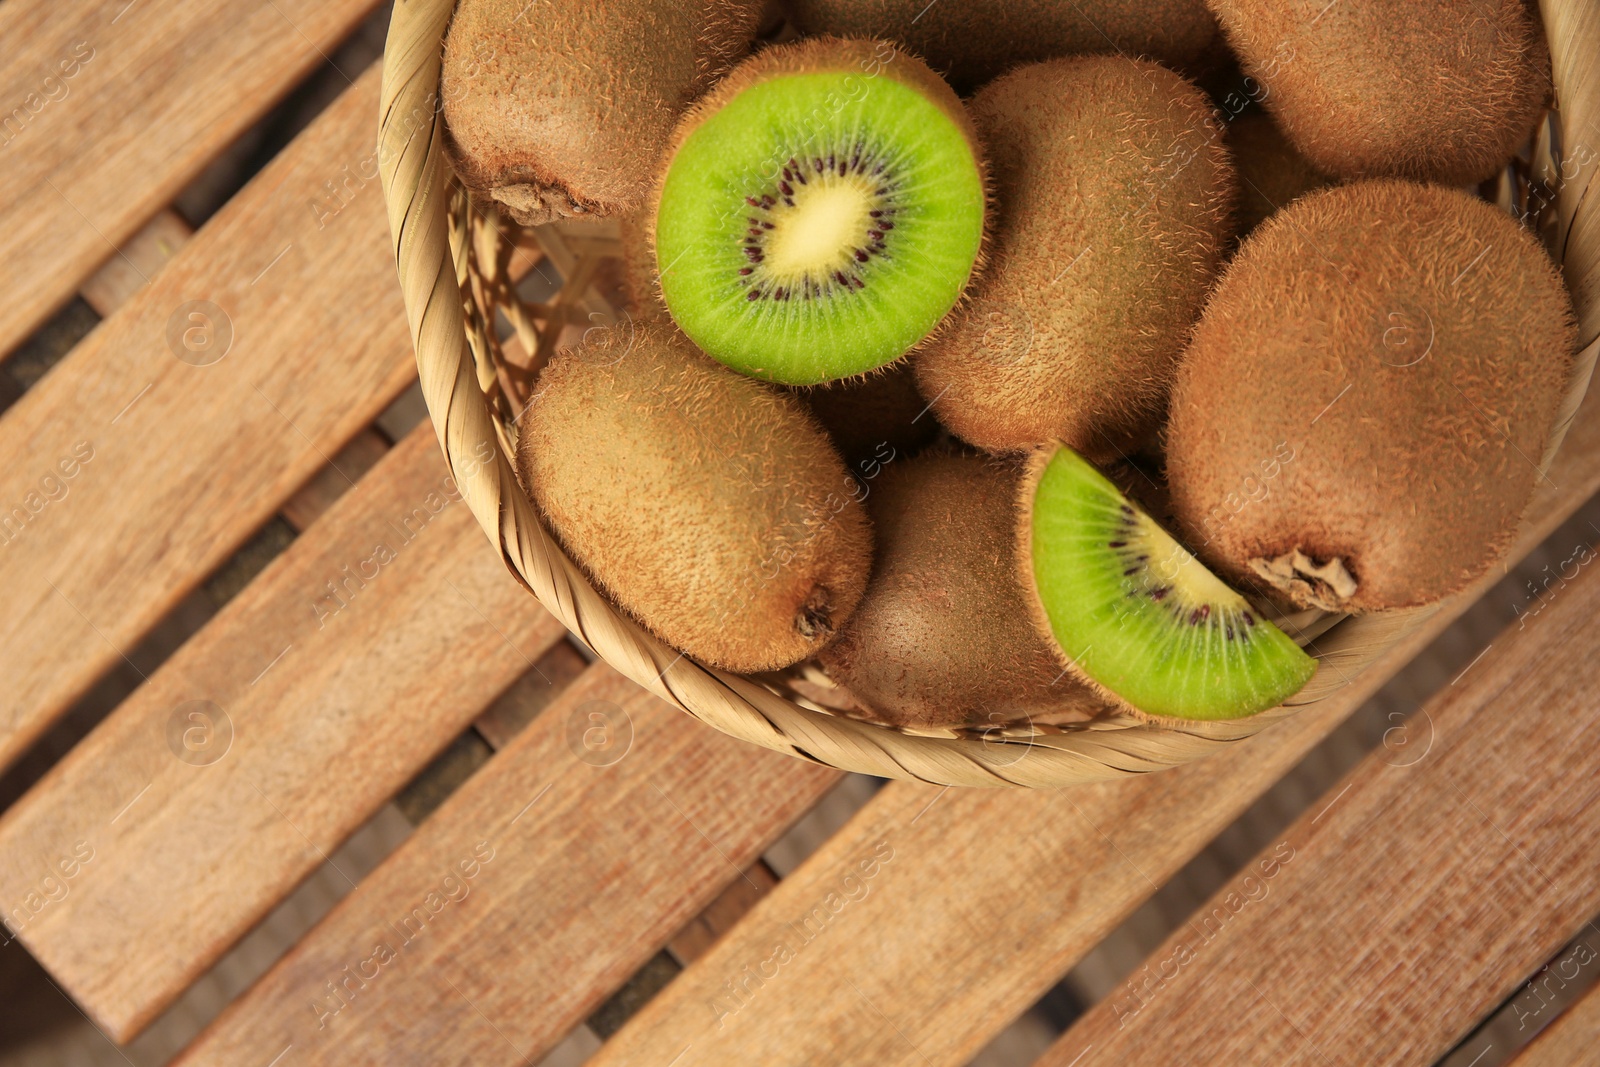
point(358, 654)
point(514, 709)
point(722, 914)
point(1571, 1039)
point(188, 460)
point(1547, 992)
point(990, 897)
point(142, 257)
point(1411, 900)
point(358, 456)
point(593, 868)
point(155, 91)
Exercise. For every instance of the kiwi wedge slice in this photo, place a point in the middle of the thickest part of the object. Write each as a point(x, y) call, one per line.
point(821, 211)
point(1135, 613)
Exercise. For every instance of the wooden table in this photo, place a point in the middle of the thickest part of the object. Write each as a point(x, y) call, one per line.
point(248, 628)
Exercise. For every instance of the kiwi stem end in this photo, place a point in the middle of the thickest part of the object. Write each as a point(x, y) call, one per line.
point(1327, 585)
point(533, 204)
point(815, 617)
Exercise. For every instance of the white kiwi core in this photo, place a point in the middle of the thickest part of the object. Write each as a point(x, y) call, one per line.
point(820, 233)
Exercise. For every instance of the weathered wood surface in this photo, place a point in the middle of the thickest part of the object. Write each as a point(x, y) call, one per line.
point(1411, 900)
point(529, 695)
point(108, 107)
point(131, 472)
point(367, 646)
point(722, 914)
point(986, 899)
point(142, 257)
point(578, 870)
point(359, 455)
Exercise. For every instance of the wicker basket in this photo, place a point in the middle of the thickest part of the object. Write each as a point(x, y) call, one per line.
point(453, 265)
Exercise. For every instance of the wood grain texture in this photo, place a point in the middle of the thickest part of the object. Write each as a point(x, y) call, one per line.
point(143, 256)
point(529, 695)
point(358, 654)
point(155, 90)
point(722, 914)
point(590, 868)
point(988, 898)
point(349, 464)
point(1571, 1039)
point(186, 461)
point(1412, 899)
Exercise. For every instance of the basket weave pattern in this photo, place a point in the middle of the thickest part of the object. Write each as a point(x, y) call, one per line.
point(454, 256)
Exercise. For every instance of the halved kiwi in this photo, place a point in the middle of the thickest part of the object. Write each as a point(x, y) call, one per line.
point(1134, 613)
point(821, 211)
point(943, 636)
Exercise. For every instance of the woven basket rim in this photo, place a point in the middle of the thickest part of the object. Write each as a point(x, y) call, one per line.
point(417, 187)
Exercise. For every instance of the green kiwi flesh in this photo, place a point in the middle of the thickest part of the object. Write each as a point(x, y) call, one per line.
point(821, 211)
point(943, 636)
point(710, 506)
point(1360, 414)
point(1136, 614)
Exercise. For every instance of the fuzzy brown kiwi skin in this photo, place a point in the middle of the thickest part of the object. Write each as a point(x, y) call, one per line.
point(640, 284)
point(1115, 195)
point(942, 637)
point(867, 57)
point(709, 506)
point(1371, 384)
point(1272, 172)
point(1426, 90)
point(976, 40)
point(873, 419)
point(564, 108)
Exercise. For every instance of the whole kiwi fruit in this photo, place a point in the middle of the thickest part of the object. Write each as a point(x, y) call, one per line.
point(1358, 420)
point(1434, 90)
point(1272, 172)
point(972, 41)
point(943, 636)
point(1114, 195)
point(558, 108)
point(639, 285)
point(710, 506)
point(874, 419)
